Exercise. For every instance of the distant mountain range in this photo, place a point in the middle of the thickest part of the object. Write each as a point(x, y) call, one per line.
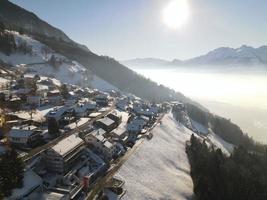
point(223, 56)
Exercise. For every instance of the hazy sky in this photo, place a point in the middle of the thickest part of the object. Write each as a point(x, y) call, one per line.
point(134, 28)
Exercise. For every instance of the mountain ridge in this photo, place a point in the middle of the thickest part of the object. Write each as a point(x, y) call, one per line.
point(222, 56)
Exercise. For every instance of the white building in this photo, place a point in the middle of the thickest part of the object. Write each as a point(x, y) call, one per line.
point(62, 156)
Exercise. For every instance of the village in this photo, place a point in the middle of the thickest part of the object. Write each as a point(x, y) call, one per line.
point(71, 139)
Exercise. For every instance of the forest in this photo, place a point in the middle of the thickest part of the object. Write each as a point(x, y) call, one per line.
point(242, 175)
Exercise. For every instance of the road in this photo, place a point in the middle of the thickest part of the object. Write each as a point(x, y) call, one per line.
point(116, 165)
point(36, 151)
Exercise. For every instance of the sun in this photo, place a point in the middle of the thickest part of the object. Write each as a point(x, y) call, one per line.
point(176, 13)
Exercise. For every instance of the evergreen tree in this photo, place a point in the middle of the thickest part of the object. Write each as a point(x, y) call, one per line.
point(64, 91)
point(11, 172)
point(2, 27)
point(53, 127)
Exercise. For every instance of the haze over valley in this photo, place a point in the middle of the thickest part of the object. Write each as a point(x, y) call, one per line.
point(235, 91)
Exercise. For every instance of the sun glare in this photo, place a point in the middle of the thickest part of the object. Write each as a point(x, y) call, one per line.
point(176, 13)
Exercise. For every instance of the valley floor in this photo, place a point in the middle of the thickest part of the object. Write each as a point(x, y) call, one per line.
point(160, 168)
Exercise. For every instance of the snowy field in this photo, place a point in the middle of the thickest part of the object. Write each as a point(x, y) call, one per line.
point(160, 169)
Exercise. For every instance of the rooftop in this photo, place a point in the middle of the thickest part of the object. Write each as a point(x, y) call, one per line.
point(107, 121)
point(67, 144)
point(23, 131)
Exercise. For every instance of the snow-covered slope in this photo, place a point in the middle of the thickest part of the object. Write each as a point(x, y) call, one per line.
point(160, 168)
point(38, 62)
point(218, 142)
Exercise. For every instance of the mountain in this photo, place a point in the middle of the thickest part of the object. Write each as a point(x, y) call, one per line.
point(223, 56)
point(145, 62)
point(103, 67)
point(244, 55)
point(17, 18)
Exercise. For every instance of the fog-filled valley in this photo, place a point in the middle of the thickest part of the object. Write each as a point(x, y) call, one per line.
point(237, 93)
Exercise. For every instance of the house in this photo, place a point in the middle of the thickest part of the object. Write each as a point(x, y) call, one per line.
point(109, 150)
point(32, 186)
point(147, 112)
point(62, 156)
point(4, 83)
point(92, 167)
point(42, 90)
point(106, 123)
point(34, 100)
point(154, 108)
point(54, 97)
point(119, 133)
point(29, 78)
point(116, 116)
point(137, 107)
point(122, 103)
point(137, 124)
point(25, 136)
point(96, 138)
point(83, 109)
point(102, 99)
point(62, 115)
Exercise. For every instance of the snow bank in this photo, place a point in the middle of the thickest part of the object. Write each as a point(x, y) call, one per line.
point(160, 168)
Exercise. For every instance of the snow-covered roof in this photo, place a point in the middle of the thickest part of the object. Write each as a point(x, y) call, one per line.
point(119, 131)
point(41, 87)
point(82, 107)
point(22, 132)
point(53, 196)
point(95, 114)
point(57, 112)
point(30, 181)
point(99, 134)
point(108, 144)
point(3, 80)
point(68, 144)
point(107, 121)
point(28, 75)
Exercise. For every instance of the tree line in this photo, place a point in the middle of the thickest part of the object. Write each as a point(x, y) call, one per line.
point(242, 176)
point(227, 130)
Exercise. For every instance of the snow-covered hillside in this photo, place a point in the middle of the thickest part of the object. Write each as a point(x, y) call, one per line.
point(160, 168)
point(38, 61)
